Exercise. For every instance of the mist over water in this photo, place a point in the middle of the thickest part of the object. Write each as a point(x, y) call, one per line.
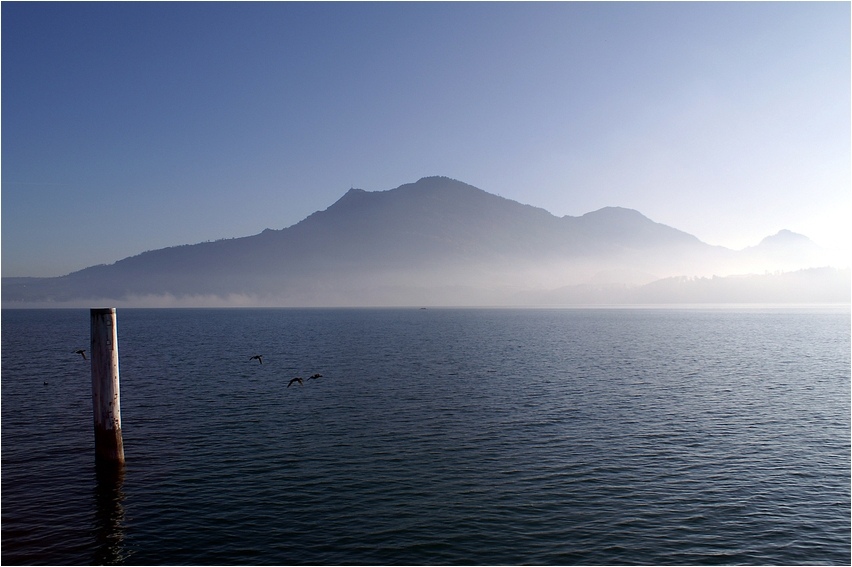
point(442, 242)
point(461, 436)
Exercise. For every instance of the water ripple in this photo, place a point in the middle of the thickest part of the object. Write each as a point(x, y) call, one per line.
point(436, 437)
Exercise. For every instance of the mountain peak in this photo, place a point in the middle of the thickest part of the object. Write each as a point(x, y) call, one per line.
point(435, 179)
point(616, 214)
point(349, 198)
point(437, 183)
point(631, 228)
point(785, 236)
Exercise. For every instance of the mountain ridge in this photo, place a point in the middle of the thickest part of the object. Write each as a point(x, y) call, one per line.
point(412, 244)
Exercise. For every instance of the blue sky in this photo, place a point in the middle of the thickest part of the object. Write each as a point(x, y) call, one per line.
point(130, 127)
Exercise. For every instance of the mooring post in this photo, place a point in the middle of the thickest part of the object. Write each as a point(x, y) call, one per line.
point(106, 402)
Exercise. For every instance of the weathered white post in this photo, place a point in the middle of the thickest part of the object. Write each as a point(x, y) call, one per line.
point(106, 404)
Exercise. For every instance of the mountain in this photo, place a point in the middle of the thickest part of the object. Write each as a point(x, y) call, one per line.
point(434, 242)
point(787, 251)
point(809, 286)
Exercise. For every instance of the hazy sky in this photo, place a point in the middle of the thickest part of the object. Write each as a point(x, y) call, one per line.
point(130, 127)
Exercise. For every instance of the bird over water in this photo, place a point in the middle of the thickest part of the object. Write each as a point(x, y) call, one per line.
point(82, 353)
point(259, 358)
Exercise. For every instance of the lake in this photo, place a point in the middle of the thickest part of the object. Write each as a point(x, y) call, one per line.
point(439, 436)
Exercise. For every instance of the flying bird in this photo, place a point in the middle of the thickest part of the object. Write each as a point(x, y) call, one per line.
point(82, 353)
point(259, 358)
point(299, 380)
point(315, 376)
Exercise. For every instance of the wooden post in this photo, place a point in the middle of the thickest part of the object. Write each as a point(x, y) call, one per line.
point(106, 403)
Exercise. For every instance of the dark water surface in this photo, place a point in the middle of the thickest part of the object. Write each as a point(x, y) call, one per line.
point(434, 437)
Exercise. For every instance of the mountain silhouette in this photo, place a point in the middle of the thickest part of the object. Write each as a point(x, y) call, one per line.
point(438, 241)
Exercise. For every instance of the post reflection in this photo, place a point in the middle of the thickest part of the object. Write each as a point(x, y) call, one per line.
point(109, 515)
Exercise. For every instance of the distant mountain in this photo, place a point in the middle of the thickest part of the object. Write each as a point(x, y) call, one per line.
point(786, 238)
point(809, 286)
point(786, 250)
point(434, 242)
